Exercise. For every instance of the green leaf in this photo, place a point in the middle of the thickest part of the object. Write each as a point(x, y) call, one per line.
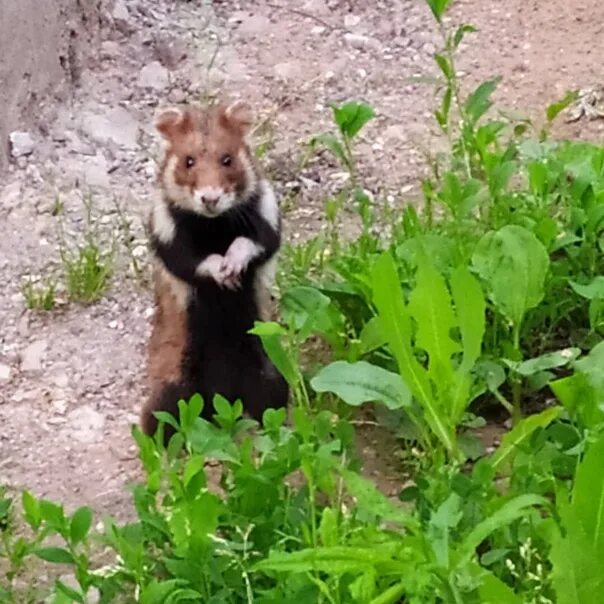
point(460, 33)
point(506, 514)
point(470, 309)
point(520, 434)
point(81, 522)
point(513, 263)
point(372, 500)
point(396, 326)
point(332, 560)
point(553, 110)
point(430, 306)
point(328, 529)
point(329, 141)
point(479, 102)
point(351, 117)
point(371, 336)
point(579, 398)
point(593, 367)
point(31, 509)
point(578, 558)
point(495, 591)
point(270, 334)
point(306, 310)
point(549, 360)
point(69, 592)
point(438, 8)
point(58, 555)
point(592, 290)
point(361, 382)
point(444, 65)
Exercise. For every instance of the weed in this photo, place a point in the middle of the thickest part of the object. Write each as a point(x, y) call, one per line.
point(40, 295)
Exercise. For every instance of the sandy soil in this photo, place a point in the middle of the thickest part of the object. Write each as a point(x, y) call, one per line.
point(71, 381)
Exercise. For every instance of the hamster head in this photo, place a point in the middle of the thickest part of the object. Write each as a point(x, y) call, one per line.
point(207, 167)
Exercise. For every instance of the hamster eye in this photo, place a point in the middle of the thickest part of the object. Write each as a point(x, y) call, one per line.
point(226, 160)
point(189, 161)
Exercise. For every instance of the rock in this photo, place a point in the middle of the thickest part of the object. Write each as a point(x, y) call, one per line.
point(33, 356)
point(169, 51)
point(86, 424)
point(351, 21)
point(360, 42)
point(21, 144)
point(10, 195)
point(109, 49)
point(289, 70)
point(255, 26)
point(177, 95)
point(96, 172)
point(118, 126)
point(4, 372)
point(316, 7)
point(154, 76)
point(121, 17)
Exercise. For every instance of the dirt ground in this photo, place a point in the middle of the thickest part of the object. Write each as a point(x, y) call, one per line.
point(72, 380)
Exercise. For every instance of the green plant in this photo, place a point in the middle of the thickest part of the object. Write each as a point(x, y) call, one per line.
point(87, 265)
point(39, 295)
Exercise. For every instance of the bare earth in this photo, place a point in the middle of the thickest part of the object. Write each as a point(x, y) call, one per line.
point(71, 381)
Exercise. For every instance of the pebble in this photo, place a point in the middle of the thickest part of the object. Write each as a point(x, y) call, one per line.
point(21, 144)
point(33, 356)
point(4, 372)
point(117, 125)
point(154, 76)
point(360, 42)
point(86, 424)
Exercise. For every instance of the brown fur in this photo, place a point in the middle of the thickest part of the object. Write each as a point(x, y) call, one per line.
point(168, 340)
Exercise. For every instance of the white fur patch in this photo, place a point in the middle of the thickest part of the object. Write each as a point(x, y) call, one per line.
point(174, 192)
point(211, 267)
point(250, 174)
point(268, 207)
point(225, 201)
point(241, 252)
point(163, 224)
point(179, 289)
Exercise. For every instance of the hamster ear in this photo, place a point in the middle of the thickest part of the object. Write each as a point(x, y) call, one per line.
point(167, 121)
point(240, 116)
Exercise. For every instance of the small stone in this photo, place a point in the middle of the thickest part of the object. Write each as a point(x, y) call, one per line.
point(317, 7)
point(21, 144)
point(4, 372)
point(120, 13)
point(118, 126)
point(177, 95)
point(351, 21)
point(154, 76)
point(33, 355)
point(109, 49)
point(86, 424)
point(360, 42)
point(289, 70)
point(318, 30)
point(113, 324)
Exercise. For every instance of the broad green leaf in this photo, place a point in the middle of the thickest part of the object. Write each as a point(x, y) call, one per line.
point(579, 398)
point(369, 497)
point(592, 290)
point(304, 309)
point(396, 325)
point(588, 496)
point(332, 560)
point(578, 557)
point(460, 33)
point(443, 519)
point(593, 366)
point(549, 360)
point(328, 529)
point(57, 555)
point(519, 434)
point(438, 8)
point(330, 142)
point(479, 102)
point(553, 110)
point(430, 306)
point(361, 382)
point(351, 117)
point(371, 336)
point(513, 263)
point(270, 334)
point(69, 592)
point(495, 591)
point(81, 522)
point(31, 509)
point(506, 514)
point(470, 309)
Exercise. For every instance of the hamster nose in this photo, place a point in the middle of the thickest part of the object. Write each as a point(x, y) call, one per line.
point(209, 200)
